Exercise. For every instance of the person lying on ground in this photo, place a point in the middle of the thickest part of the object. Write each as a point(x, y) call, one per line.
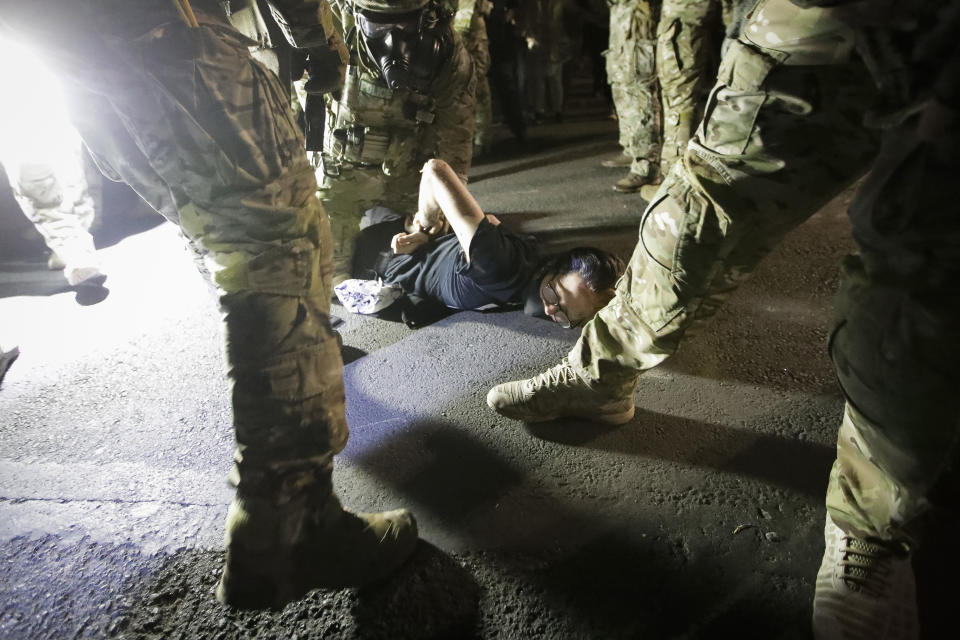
point(481, 263)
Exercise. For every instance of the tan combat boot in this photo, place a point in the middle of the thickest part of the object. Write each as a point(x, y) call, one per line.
point(343, 236)
point(649, 191)
point(560, 392)
point(634, 182)
point(277, 553)
point(617, 163)
point(865, 590)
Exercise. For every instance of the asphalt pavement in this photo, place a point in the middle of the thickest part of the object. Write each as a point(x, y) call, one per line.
point(702, 517)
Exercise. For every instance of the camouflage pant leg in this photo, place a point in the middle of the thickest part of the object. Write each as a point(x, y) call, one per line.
point(687, 48)
point(109, 138)
point(896, 343)
point(59, 204)
point(484, 117)
point(54, 195)
point(478, 46)
point(213, 122)
point(347, 195)
point(536, 79)
point(778, 142)
point(632, 74)
point(43, 156)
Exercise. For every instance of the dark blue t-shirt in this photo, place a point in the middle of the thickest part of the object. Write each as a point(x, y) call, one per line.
point(501, 265)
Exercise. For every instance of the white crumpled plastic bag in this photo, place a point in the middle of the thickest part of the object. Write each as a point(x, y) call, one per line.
point(367, 296)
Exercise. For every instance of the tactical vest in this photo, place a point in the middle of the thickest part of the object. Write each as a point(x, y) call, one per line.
point(372, 125)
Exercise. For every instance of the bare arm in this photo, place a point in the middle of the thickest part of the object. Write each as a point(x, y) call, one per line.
point(442, 193)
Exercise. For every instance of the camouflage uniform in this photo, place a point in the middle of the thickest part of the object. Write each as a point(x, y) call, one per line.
point(688, 48)
point(896, 338)
point(44, 162)
point(783, 134)
point(631, 71)
point(54, 195)
point(377, 139)
point(186, 113)
point(472, 27)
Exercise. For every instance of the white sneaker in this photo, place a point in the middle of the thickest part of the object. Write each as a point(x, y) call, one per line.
point(864, 590)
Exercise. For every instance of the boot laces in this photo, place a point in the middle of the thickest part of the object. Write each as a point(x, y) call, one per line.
point(556, 376)
point(866, 566)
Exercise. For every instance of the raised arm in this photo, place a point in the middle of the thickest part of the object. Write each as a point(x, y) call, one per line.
point(443, 194)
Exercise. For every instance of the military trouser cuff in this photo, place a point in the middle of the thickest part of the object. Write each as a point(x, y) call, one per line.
point(644, 167)
point(280, 480)
point(599, 374)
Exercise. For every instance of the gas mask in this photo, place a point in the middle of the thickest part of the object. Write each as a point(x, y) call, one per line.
point(408, 48)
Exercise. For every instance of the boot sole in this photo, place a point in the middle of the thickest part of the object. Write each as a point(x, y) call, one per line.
point(616, 418)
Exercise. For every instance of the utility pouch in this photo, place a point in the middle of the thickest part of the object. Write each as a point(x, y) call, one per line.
point(401, 155)
point(338, 143)
point(352, 144)
point(361, 145)
point(375, 144)
point(331, 165)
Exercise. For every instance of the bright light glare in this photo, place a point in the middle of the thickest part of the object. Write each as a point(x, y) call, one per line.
point(34, 126)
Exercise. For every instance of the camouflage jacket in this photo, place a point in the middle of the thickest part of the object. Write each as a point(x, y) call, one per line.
point(910, 46)
point(368, 123)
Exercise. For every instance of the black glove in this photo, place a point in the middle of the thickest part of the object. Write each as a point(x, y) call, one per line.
point(325, 70)
point(314, 112)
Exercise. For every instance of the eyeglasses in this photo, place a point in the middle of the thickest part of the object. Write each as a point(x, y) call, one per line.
point(549, 295)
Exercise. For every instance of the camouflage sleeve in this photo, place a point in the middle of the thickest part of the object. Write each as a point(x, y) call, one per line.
point(877, 5)
point(463, 16)
point(806, 4)
point(308, 24)
point(946, 88)
point(455, 105)
point(946, 83)
point(341, 16)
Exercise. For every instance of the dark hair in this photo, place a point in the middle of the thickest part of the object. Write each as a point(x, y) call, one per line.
point(599, 269)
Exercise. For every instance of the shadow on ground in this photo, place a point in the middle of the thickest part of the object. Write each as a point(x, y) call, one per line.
point(572, 573)
point(739, 451)
point(544, 150)
point(33, 278)
point(612, 586)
